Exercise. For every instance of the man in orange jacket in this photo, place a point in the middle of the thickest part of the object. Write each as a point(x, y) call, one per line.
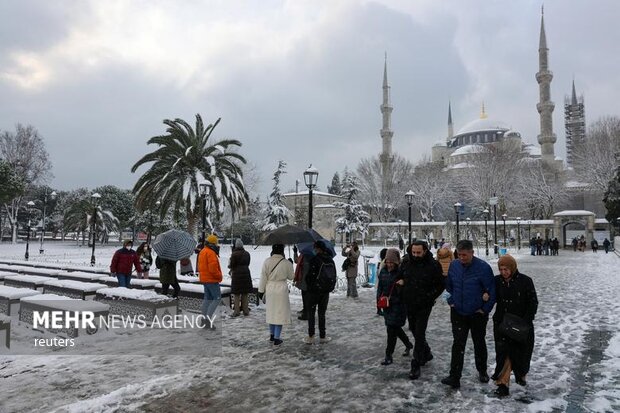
point(210, 274)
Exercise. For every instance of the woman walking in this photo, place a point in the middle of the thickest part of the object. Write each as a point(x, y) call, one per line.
point(516, 295)
point(276, 271)
point(146, 259)
point(168, 276)
point(396, 314)
point(241, 279)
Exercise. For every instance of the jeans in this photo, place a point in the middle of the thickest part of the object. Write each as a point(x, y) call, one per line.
point(124, 280)
point(275, 330)
point(461, 324)
point(314, 299)
point(418, 321)
point(212, 299)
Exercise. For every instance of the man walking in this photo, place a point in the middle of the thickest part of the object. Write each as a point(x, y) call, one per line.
point(469, 278)
point(316, 295)
point(210, 276)
point(122, 261)
point(422, 279)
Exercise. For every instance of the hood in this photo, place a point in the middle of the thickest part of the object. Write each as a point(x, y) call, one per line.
point(444, 253)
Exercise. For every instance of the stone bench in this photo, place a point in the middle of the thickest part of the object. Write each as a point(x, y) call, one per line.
point(130, 302)
point(82, 276)
point(52, 302)
point(71, 288)
point(137, 283)
point(34, 282)
point(180, 278)
point(10, 298)
point(5, 332)
point(252, 297)
point(191, 296)
point(4, 274)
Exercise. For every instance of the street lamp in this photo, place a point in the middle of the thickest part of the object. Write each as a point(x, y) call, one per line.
point(457, 207)
point(30, 206)
point(311, 176)
point(486, 230)
point(203, 190)
point(518, 233)
point(504, 219)
point(529, 229)
point(52, 196)
point(95, 197)
point(468, 234)
point(409, 197)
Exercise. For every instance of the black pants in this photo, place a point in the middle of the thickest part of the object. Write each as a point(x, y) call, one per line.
point(394, 332)
point(461, 324)
point(314, 300)
point(418, 321)
point(304, 309)
point(175, 285)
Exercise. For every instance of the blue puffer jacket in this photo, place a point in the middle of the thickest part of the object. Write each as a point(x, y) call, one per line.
point(466, 284)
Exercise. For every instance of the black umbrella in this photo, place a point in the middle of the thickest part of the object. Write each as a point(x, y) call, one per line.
point(287, 234)
point(174, 245)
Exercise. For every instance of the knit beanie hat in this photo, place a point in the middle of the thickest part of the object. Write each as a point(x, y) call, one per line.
point(238, 243)
point(392, 255)
point(212, 239)
point(507, 261)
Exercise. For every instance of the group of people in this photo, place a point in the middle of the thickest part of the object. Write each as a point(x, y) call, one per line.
point(412, 285)
point(539, 246)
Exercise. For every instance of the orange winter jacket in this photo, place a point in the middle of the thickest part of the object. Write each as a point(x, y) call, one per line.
point(209, 266)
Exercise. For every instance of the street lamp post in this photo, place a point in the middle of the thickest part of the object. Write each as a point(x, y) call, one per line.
point(30, 206)
point(504, 219)
point(468, 233)
point(52, 196)
point(457, 207)
point(518, 233)
point(203, 189)
point(409, 196)
point(495, 246)
point(311, 176)
point(486, 231)
point(529, 229)
point(95, 197)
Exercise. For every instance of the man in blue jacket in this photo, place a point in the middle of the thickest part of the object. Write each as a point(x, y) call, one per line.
point(469, 278)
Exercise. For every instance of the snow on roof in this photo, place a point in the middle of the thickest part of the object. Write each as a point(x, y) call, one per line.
point(467, 149)
point(74, 285)
point(122, 292)
point(325, 206)
point(461, 165)
point(486, 124)
point(13, 293)
point(573, 213)
point(575, 184)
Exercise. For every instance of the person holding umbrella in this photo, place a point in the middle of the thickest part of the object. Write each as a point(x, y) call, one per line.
point(122, 262)
point(274, 287)
point(210, 275)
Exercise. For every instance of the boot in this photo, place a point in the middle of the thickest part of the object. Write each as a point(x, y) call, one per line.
point(387, 361)
point(452, 382)
point(415, 370)
point(236, 304)
point(502, 390)
point(408, 348)
point(244, 304)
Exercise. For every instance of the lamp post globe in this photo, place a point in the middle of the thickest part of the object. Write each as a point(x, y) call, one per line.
point(468, 222)
point(457, 208)
point(409, 197)
point(311, 176)
point(30, 205)
point(95, 200)
point(486, 231)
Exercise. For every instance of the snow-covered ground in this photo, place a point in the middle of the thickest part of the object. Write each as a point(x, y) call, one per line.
point(576, 363)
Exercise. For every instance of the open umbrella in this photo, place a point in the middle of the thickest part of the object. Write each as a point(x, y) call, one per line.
point(307, 248)
point(287, 234)
point(174, 244)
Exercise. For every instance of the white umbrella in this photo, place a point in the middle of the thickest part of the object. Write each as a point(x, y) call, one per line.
point(174, 245)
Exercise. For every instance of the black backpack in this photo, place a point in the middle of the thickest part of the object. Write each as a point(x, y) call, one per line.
point(326, 277)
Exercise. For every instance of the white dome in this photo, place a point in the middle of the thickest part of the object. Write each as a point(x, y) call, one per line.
point(485, 124)
point(467, 149)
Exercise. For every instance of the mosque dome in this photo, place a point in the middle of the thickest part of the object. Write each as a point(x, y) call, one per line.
point(483, 125)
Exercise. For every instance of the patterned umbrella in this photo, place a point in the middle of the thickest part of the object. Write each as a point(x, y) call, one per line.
point(174, 244)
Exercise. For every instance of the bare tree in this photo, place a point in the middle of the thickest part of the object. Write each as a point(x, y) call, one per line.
point(541, 189)
point(383, 196)
point(25, 151)
point(431, 189)
point(595, 156)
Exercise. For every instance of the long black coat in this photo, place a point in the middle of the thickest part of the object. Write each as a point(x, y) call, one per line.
point(423, 281)
point(396, 314)
point(241, 279)
point(516, 296)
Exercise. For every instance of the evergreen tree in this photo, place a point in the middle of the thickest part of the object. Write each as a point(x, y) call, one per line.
point(335, 188)
point(612, 199)
point(353, 219)
point(277, 213)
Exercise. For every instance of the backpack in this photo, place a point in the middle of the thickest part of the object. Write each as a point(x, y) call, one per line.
point(326, 278)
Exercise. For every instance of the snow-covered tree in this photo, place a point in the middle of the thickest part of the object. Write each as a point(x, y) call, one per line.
point(353, 218)
point(612, 199)
point(276, 213)
point(383, 196)
point(335, 188)
point(432, 192)
point(541, 189)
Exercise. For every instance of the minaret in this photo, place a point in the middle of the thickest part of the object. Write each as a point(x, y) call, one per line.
point(545, 106)
point(574, 124)
point(450, 125)
point(386, 132)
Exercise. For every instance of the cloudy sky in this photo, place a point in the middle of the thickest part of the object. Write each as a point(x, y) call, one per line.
point(294, 80)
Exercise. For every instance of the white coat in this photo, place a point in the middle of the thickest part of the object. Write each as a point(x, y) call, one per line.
point(276, 271)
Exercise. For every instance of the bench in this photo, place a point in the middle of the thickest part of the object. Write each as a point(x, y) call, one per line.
point(73, 289)
point(130, 302)
point(52, 302)
point(5, 329)
point(192, 295)
point(34, 282)
point(137, 283)
point(252, 297)
point(4, 274)
point(10, 297)
point(81, 276)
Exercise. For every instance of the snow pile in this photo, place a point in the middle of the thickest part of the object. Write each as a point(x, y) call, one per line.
point(74, 285)
point(13, 293)
point(134, 294)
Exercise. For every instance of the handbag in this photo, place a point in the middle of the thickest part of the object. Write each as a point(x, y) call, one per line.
point(384, 300)
point(515, 328)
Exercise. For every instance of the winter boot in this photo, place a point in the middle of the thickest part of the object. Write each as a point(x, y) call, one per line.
point(452, 382)
point(415, 370)
point(502, 390)
point(407, 352)
point(387, 361)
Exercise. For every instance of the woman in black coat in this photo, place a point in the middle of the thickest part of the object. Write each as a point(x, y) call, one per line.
point(396, 314)
point(241, 279)
point(516, 295)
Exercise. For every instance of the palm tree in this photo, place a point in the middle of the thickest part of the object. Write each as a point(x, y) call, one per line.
point(184, 159)
point(79, 217)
